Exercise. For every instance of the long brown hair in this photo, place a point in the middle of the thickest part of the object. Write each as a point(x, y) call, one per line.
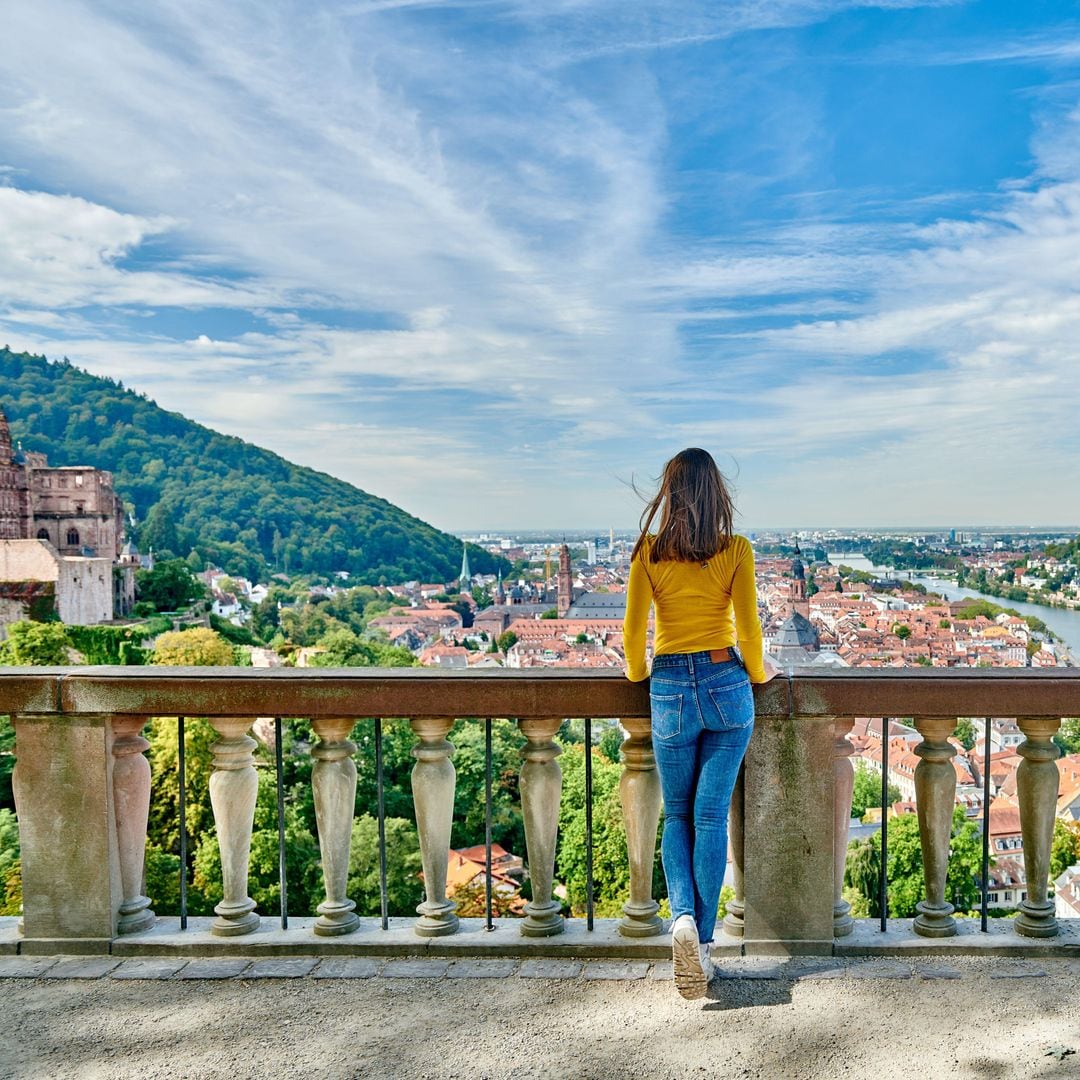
point(695, 509)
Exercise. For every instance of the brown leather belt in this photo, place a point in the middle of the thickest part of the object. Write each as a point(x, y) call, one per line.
point(720, 656)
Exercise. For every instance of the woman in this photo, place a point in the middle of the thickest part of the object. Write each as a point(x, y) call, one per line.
point(699, 577)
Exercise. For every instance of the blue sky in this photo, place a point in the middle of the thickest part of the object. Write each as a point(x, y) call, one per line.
point(494, 259)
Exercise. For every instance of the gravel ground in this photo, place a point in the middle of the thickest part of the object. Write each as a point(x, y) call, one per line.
point(978, 1018)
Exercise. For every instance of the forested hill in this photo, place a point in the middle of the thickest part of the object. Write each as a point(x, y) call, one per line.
point(241, 507)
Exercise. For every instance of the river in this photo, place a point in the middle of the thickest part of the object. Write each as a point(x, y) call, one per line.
point(1065, 624)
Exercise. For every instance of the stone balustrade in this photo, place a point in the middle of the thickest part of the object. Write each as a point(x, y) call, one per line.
point(82, 788)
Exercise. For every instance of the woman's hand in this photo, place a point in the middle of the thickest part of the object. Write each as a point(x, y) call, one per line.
point(772, 669)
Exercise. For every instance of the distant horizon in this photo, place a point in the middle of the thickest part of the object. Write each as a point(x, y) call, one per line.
point(601, 532)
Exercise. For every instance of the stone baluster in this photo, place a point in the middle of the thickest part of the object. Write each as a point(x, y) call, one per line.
point(433, 781)
point(131, 799)
point(541, 791)
point(1037, 790)
point(843, 788)
point(735, 909)
point(935, 796)
point(234, 787)
point(333, 785)
point(639, 790)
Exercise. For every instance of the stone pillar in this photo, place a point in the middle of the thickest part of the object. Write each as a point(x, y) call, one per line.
point(541, 791)
point(843, 787)
point(935, 796)
point(639, 790)
point(333, 785)
point(72, 888)
point(234, 787)
point(131, 799)
point(1037, 790)
point(433, 781)
point(735, 908)
point(788, 831)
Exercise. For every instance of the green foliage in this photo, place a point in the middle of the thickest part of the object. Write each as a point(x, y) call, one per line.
point(163, 736)
point(867, 790)
point(7, 762)
point(170, 586)
point(35, 643)
point(905, 870)
point(611, 871)
point(303, 876)
point(404, 887)
point(1068, 736)
point(158, 532)
point(551, 613)
point(199, 647)
point(506, 639)
point(237, 505)
point(1065, 848)
point(235, 635)
point(965, 732)
point(10, 869)
point(346, 649)
point(902, 631)
point(109, 644)
point(610, 744)
point(507, 827)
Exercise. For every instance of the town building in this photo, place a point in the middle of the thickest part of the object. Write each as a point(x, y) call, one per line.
point(62, 530)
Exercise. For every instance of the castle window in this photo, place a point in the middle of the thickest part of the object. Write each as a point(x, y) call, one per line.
point(78, 479)
point(42, 534)
point(73, 537)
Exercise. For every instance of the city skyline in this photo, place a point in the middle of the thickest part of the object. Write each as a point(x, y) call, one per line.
point(497, 261)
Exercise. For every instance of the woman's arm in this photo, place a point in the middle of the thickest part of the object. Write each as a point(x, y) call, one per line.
point(636, 622)
point(747, 622)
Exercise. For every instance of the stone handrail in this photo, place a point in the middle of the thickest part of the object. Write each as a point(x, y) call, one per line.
point(82, 786)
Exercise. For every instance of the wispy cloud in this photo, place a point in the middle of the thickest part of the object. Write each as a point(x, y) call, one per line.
point(475, 280)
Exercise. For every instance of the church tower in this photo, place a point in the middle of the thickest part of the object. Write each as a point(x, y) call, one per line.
point(14, 497)
point(800, 604)
point(565, 582)
point(466, 575)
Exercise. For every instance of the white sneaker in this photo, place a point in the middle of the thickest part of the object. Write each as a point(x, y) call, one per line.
point(691, 974)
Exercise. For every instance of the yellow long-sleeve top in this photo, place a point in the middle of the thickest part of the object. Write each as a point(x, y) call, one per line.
point(698, 607)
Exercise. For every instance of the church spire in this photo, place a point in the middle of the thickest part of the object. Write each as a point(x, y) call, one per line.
point(466, 575)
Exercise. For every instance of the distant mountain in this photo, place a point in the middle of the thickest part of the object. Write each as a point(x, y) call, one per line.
point(191, 488)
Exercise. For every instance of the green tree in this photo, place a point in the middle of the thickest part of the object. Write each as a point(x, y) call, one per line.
point(611, 741)
point(902, 631)
point(198, 647)
point(169, 586)
point(158, 532)
point(404, 887)
point(965, 732)
point(35, 643)
point(1068, 736)
point(611, 871)
point(1065, 848)
point(905, 870)
point(506, 640)
point(867, 790)
point(346, 649)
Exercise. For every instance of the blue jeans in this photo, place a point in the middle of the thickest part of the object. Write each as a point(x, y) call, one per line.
point(702, 720)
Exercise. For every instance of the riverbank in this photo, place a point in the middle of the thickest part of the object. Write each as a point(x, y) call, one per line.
point(1063, 623)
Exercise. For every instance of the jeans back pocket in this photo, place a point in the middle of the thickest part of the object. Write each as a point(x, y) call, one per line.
point(666, 715)
point(734, 706)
